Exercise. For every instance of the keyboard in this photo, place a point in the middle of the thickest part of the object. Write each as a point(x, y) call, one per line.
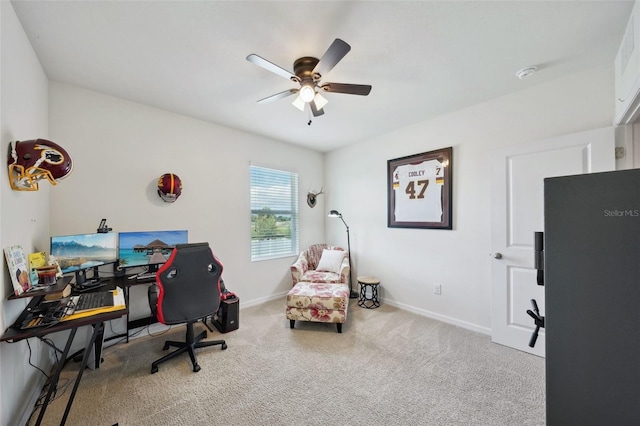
point(146, 277)
point(89, 301)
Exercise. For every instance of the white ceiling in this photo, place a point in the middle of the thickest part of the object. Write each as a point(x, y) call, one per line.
point(423, 58)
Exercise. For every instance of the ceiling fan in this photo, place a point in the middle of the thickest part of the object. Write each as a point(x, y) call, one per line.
point(308, 73)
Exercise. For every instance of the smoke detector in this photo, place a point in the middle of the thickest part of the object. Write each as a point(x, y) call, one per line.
point(526, 72)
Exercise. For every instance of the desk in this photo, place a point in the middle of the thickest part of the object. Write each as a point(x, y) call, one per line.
point(126, 282)
point(14, 334)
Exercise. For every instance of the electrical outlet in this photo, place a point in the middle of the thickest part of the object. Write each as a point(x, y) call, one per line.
point(437, 289)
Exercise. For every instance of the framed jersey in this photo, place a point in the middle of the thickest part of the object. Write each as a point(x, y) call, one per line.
point(419, 190)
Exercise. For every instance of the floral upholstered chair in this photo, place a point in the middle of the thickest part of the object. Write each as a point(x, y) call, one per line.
point(320, 290)
point(306, 267)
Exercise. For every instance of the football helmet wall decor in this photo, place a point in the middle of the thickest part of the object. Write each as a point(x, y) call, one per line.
point(33, 160)
point(169, 187)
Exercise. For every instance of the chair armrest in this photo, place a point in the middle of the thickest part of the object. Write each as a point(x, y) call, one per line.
point(297, 269)
point(345, 270)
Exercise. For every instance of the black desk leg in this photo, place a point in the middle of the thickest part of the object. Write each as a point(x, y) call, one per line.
point(99, 339)
point(53, 381)
point(126, 301)
point(98, 329)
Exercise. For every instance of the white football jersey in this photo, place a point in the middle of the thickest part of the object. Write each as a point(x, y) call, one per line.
point(418, 191)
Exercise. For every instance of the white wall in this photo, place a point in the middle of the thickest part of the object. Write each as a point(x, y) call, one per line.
point(410, 261)
point(121, 148)
point(24, 216)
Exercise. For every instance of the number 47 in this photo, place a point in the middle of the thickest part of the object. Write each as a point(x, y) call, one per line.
point(411, 189)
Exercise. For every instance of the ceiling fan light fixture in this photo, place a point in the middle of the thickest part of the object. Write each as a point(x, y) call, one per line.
point(308, 72)
point(320, 101)
point(299, 103)
point(307, 93)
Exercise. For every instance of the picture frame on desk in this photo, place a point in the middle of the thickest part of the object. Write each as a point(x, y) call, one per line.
point(18, 269)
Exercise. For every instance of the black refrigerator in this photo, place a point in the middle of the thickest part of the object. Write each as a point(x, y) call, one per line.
point(592, 298)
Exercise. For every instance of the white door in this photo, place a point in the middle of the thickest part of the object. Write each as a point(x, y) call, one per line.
point(517, 202)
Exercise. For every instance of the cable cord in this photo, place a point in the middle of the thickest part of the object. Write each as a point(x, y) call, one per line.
point(45, 388)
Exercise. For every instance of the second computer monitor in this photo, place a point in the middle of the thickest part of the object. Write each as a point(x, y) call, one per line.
point(148, 248)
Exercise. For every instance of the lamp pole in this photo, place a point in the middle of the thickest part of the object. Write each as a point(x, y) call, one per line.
point(352, 294)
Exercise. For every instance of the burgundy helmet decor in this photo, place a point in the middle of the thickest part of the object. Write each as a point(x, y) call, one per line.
point(169, 187)
point(33, 160)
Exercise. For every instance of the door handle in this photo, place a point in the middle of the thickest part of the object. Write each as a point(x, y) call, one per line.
point(497, 255)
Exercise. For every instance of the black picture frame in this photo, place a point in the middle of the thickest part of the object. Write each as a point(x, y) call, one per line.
point(411, 199)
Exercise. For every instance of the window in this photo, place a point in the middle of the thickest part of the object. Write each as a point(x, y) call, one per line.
point(274, 213)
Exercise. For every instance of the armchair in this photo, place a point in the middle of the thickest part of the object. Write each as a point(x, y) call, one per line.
point(188, 289)
point(304, 269)
point(319, 293)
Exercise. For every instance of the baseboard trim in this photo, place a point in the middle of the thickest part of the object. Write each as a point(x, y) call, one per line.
point(442, 318)
point(421, 312)
point(262, 300)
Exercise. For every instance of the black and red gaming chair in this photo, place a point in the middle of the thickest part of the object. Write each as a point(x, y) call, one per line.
point(188, 289)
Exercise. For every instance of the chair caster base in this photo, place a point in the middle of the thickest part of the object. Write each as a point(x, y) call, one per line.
point(224, 346)
point(196, 368)
point(154, 369)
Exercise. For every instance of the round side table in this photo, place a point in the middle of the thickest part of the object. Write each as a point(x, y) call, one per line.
point(372, 301)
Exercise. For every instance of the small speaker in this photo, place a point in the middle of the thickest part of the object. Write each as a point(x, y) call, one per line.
point(228, 318)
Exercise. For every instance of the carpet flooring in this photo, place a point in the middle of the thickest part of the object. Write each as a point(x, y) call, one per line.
point(388, 367)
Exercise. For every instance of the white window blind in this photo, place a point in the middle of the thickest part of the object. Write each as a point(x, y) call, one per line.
point(274, 213)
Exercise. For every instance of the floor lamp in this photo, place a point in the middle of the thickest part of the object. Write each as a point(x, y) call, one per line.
point(352, 294)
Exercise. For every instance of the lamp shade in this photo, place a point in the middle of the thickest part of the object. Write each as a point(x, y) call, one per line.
point(298, 103)
point(307, 93)
point(320, 101)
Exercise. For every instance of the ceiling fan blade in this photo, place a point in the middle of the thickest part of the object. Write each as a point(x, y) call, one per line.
point(350, 89)
point(331, 57)
point(316, 112)
point(269, 66)
point(278, 96)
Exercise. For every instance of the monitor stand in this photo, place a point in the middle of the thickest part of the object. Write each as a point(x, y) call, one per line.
point(87, 283)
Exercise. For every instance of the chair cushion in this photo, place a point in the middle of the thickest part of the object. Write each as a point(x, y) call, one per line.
point(321, 277)
point(331, 261)
point(318, 302)
point(319, 295)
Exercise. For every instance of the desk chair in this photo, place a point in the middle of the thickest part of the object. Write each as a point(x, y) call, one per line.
point(188, 289)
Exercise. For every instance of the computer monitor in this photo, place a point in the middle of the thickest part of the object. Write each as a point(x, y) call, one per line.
point(148, 248)
point(78, 253)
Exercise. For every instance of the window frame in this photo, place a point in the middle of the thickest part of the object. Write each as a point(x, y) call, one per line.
point(274, 196)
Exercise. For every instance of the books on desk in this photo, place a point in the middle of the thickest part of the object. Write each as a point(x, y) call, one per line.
point(59, 294)
point(114, 303)
point(18, 269)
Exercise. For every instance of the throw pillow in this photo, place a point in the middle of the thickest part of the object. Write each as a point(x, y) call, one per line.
point(331, 261)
